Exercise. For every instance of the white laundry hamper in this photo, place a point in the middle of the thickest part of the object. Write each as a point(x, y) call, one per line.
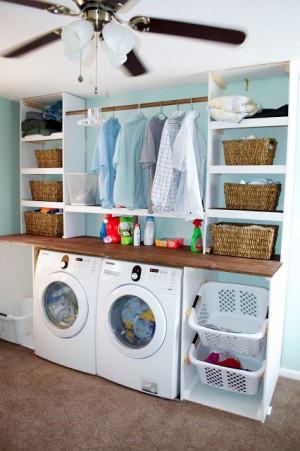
point(231, 317)
point(16, 321)
point(244, 381)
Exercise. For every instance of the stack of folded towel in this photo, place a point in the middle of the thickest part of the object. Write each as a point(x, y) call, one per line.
point(232, 108)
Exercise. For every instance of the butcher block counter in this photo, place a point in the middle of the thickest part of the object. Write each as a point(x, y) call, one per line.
point(181, 257)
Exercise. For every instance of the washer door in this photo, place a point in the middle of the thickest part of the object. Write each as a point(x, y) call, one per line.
point(62, 305)
point(134, 321)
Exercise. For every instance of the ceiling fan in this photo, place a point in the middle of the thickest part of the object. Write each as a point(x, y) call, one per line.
point(101, 13)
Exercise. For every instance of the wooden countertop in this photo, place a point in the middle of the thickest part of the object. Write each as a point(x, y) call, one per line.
point(145, 254)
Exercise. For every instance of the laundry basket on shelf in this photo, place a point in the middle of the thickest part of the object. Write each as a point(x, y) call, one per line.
point(231, 317)
point(244, 381)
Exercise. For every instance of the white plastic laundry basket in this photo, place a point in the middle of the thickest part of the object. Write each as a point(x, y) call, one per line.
point(231, 317)
point(244, 381)
point(16, 321)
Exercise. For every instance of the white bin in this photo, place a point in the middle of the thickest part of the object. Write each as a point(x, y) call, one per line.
point(16, 321)
point(245, 381)
point(231, 317)
point(83, 188)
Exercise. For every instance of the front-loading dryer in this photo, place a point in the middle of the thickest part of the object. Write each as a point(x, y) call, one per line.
point(138, 326)
point(64, 311)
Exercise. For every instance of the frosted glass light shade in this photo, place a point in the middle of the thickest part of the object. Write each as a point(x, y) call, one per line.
point(75, 56)
point(77, 35)
point(114, 58)
point(118, 38)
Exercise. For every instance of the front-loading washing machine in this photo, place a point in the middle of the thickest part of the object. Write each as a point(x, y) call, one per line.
point(64, 310)
point(138, 326)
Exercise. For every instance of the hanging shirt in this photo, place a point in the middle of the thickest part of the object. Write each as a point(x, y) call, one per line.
point(103, 160)
point(189, 157)
point(166, 178)
point(150, 152)
point(130, 188)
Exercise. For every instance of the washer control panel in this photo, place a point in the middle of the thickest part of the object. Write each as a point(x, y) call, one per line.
point(165, 278)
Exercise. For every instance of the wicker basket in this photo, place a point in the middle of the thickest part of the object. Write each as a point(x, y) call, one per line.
point(244, 240)
point(252, 197)
point(49, 158)
point(43, 224)
point(51, 191)
point(249, 151)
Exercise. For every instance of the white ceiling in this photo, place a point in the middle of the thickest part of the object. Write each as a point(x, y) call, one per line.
point(272, 28)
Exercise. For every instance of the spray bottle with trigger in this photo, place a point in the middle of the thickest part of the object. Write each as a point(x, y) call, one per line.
point(196, 241)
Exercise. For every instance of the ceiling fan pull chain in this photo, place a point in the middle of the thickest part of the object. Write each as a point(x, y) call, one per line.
point(96, 75)
point(80, 78)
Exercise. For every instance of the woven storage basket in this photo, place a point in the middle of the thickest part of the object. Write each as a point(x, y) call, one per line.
point(51, 191)
point(252, 197)
point(244, 240)
point(249, 151)
point(49, 158)
point(43, 224)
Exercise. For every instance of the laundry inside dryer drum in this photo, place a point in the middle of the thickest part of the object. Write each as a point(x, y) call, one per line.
point(61, 305)
point(132, 321)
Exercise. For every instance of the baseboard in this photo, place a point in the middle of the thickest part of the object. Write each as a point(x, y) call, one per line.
point(291, 374)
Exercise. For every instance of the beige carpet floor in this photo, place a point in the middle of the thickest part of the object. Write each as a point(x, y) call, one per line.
point(46, 407)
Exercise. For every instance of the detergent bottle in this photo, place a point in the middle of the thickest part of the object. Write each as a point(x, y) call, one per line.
point(196, 241)
point(103, 233)
point(112, 229)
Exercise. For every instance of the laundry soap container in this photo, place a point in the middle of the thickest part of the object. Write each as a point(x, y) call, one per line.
point(83, 188)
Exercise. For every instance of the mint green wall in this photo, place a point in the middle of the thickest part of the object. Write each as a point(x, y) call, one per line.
point(9, 167)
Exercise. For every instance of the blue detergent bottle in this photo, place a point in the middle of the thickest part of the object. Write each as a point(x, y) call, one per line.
point(103, 232)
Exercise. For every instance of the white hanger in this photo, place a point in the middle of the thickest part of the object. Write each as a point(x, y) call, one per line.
point(95, 118)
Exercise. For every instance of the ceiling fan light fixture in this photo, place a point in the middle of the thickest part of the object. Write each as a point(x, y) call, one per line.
point(77, 35)
point(115, 59)
point(118, 38)
point(75, 56)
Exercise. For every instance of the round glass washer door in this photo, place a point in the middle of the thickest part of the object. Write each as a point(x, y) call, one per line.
point(134, 321)
point(62, 305)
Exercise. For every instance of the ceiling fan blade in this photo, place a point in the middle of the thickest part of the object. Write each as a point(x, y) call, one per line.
point(134, 65)
point(34, 44)
point(187, 30)
point(51, 7)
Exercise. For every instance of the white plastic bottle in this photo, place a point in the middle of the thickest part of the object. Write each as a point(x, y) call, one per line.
point(149, 237)
point(137, 235)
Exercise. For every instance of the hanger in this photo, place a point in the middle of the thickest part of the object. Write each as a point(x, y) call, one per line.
point(161, 113)
point(95, 118)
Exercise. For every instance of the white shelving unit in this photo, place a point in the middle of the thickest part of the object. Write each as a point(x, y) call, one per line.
point(72, 142)
point(225, 83)
point(222, 84)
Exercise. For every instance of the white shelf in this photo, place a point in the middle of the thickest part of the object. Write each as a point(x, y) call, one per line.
point(241, 404)
point(94, 209)
point(256, 169)
point(41, 171)
point(41, 204)
point(250, 123)
point(245, 214)
point(41, 138)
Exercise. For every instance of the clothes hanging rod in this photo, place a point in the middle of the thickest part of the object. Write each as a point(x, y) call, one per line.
point(136, 106)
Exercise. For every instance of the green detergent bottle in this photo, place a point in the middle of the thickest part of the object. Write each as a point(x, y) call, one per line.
point(196, 241)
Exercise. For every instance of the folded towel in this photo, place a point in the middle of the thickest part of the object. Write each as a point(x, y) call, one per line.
point(232, 108)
